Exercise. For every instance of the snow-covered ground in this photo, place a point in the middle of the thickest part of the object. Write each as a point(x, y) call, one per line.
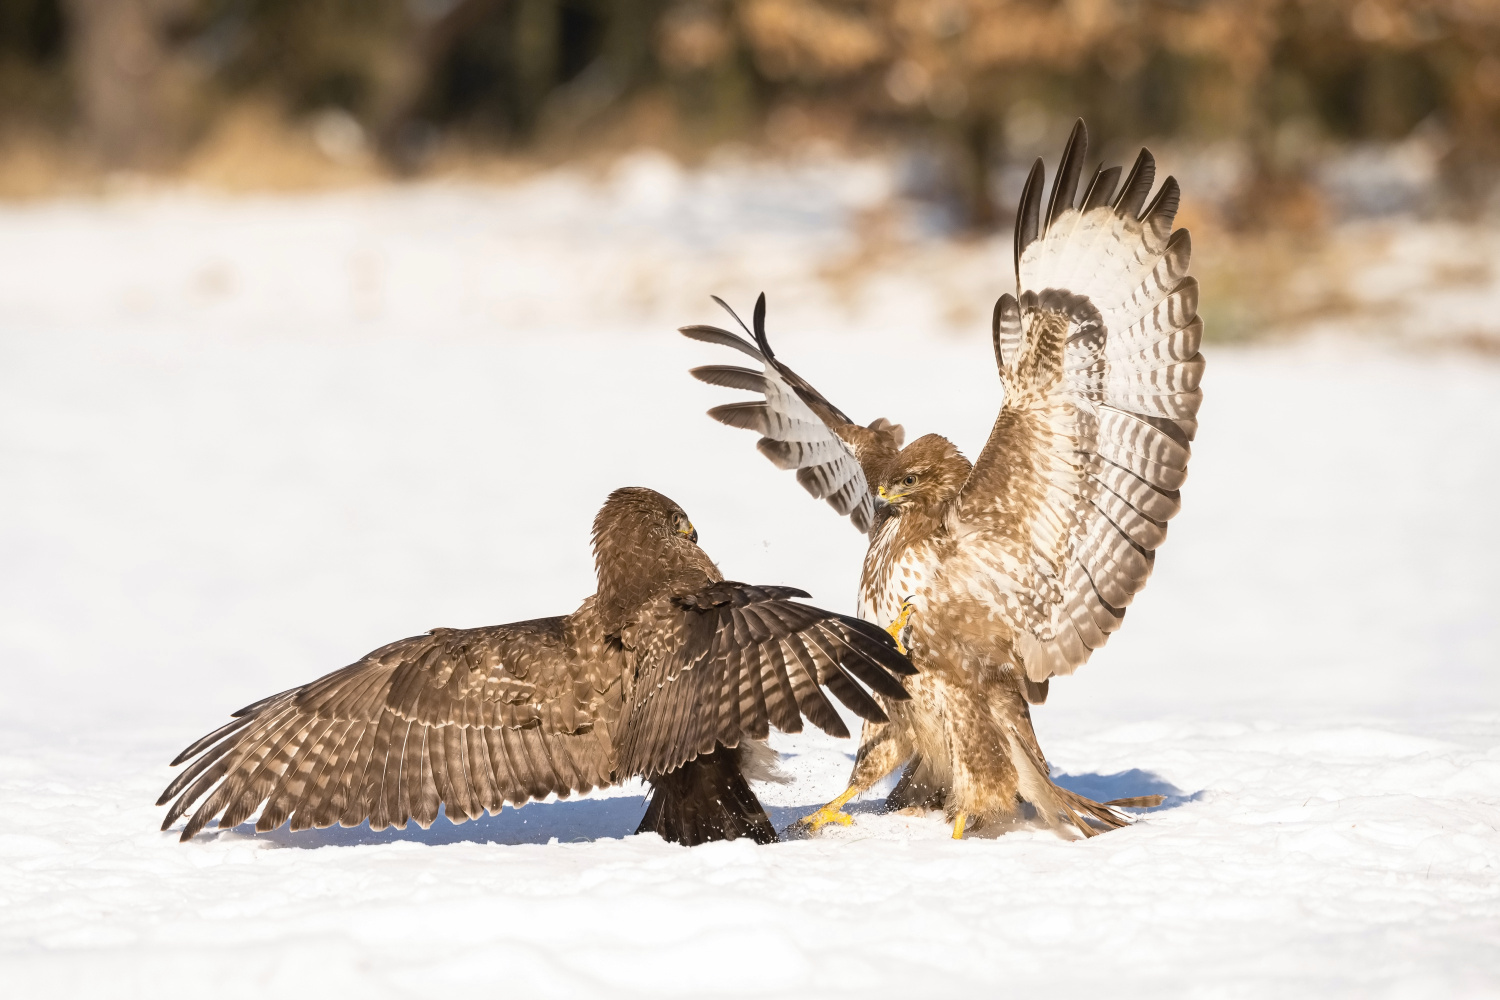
point(245, 441)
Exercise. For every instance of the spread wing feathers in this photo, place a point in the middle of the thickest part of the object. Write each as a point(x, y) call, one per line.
point(835, 458)
point(723, 665)
point(468, 719)
point(1098, 352)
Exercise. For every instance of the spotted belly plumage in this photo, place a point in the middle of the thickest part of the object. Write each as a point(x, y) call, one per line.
point(893, 574)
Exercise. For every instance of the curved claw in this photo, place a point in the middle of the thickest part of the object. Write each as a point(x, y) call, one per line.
point(814, 822)
point(898, 626)
point(831, 813)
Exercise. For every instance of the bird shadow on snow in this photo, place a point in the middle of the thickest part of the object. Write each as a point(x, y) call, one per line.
point(1099, 787)
point(1125, 785)
point(612, 818)
point(537, 823)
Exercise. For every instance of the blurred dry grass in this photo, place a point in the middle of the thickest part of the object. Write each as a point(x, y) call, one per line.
point(1339, 118)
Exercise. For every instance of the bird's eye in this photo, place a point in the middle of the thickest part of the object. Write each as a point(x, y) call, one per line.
point(909, 481)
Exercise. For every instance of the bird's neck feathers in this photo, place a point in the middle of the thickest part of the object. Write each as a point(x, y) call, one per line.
point(913, 525)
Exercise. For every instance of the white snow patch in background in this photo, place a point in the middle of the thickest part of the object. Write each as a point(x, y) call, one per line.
point(247, 440)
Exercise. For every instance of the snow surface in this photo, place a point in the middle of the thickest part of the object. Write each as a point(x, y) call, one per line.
point(247, 440)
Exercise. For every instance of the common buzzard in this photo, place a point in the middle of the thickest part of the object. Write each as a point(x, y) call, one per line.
point(1009, 570)
point(669, 671)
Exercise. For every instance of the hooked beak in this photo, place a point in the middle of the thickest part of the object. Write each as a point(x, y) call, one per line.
point(888, 497)
point(691, 533)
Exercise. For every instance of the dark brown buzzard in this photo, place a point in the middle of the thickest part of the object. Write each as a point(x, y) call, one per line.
point(1013, 568)
point(669, 671)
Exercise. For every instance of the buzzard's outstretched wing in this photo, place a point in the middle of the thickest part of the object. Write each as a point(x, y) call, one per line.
point(835, 458)
point(467, 718)
point(723, 665)
point(1062, 513)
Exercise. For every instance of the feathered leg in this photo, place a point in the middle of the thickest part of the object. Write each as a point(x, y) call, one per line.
point(881, 750)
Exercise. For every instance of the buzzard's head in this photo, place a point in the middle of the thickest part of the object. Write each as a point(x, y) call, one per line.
point(928, 472)
point(643, 518)
point(642, 543)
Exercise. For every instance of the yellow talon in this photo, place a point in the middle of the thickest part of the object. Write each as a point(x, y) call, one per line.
point(899, 625)
point(823, 817)
point(829, 814)
point(958, 826)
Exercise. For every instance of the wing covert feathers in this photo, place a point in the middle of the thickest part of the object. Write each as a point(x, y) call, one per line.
point(1098, 353)
point(835, 459)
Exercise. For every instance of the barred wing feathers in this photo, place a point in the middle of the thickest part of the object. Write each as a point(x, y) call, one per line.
point(467, 718)
point(1099, 357)
point(723, 665)
point(835, 458)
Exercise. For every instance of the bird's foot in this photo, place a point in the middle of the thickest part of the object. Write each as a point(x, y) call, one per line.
point(815, 822)
point(958, 825)
point(898, 626)
point(831, 813)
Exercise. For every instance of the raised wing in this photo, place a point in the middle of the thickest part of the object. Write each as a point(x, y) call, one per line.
point(465, 718)
point(835, 458)
point(1064, 509)
point(725, 664)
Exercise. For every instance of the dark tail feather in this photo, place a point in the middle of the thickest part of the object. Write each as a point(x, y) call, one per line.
point(706, 799)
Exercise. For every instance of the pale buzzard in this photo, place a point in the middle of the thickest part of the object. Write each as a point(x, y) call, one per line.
point(1009, 570)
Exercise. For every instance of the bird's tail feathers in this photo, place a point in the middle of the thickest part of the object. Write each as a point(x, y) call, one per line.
point(708, 798)
point(1059, 808)
point(1137, 802)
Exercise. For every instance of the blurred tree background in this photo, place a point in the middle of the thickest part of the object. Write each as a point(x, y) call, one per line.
point(980, 85)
